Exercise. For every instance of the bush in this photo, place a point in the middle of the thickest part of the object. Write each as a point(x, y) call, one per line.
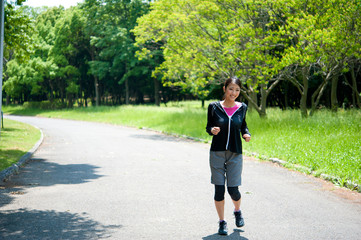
point(45, 105)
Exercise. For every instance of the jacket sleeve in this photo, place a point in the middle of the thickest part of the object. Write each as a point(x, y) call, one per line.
point(244, 128)
point(210, 119)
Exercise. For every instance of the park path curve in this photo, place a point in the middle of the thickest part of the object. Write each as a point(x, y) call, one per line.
point(101, 181)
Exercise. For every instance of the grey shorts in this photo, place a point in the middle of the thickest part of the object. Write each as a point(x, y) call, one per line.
point(226, 165)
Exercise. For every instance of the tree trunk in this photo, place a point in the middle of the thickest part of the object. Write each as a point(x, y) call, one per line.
point(126, 91)
point(80, 95)
point(96, 85)
point(253, 96)
point(96, 82)
point(263, 106)
point(70, 100)
point(156, 92)
point(51, 94)
point(318, 93)
point(62, 94)
point(85, 101)
point(334, 102)
point(355, 92)
point(304, 93)
point(249, 94)
point(253, 103)
point(286, 94)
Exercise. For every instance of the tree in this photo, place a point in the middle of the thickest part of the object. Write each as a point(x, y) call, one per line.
point(111, 36)
point(44, 40)
point(340, 44)
point(26, 81)
point(17, 32)
point(69, 52)
point(15, 85)
point(300, 47)
point(205, 42)
point(350, 27)
point(17, 29)
point(96, 50)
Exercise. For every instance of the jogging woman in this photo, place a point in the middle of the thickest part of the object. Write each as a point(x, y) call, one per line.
point(226, 123)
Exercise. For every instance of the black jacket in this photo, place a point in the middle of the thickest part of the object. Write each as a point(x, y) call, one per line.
point(229, 138)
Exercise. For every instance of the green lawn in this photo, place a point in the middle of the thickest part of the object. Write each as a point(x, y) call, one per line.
point(326, 143)
point(16, 140)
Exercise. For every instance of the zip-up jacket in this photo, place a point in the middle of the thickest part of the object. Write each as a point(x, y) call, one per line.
point(229, 138)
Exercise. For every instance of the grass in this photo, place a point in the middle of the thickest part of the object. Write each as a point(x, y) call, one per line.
point(16, 140)
point(325, 143)
point(179, 118)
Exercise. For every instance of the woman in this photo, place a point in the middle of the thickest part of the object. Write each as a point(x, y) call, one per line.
point(226, 122)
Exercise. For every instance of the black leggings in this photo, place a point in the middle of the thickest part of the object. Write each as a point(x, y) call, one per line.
point(220, 190)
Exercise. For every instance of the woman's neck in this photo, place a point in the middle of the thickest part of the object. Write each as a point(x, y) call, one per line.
point(228, 103)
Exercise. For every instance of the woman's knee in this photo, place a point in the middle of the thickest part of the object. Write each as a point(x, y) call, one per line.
point(234, 193)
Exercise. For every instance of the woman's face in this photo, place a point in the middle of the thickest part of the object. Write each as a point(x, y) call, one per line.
point(231, 92)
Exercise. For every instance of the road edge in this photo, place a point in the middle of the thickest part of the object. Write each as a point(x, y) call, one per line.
point(301, 169)
point(14, 169)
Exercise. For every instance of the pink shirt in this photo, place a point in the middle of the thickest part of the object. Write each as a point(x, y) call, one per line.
point(231, 110)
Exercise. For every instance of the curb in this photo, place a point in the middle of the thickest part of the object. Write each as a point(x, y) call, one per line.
point(14, 169)
point(335, 180)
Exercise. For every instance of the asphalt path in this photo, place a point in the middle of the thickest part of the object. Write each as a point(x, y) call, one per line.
point(101, 181)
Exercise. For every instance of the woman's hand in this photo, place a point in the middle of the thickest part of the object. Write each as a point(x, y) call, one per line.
point(215, 130)
point(247, 137)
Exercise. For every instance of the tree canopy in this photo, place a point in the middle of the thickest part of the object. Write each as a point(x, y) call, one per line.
point(261, 42)
point(287, 53)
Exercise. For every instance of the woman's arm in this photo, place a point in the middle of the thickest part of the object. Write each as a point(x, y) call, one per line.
point(244, 129)
point(210, 124)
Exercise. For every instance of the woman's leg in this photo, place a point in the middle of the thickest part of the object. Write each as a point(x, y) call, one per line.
point(219, 200)
point(237, 205)
point(236, 197)
point(220, 209)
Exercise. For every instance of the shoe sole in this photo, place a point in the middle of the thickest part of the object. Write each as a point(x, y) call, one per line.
point(240, 225)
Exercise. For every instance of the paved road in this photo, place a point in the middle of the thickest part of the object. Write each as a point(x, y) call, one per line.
point(100, 181)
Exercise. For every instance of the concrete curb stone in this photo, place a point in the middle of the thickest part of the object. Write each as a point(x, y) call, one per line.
point(14, 169)
point(348, 184)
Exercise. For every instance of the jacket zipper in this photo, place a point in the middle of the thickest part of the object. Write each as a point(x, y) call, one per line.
point(229, 123)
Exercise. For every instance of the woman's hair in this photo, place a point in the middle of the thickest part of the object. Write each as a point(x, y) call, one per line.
point(234, 80)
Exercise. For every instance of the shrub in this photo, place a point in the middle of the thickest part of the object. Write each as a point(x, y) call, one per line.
point(45, 105)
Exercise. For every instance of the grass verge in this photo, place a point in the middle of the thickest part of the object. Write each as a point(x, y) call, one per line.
point(15, 141)
point(326, 143)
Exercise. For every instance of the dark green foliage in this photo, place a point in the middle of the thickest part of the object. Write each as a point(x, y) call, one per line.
point(302, 54)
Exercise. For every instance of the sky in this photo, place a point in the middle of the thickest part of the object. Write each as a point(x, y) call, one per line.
point(51, 3)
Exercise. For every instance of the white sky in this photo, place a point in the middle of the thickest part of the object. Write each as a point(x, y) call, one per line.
point(51, 3)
